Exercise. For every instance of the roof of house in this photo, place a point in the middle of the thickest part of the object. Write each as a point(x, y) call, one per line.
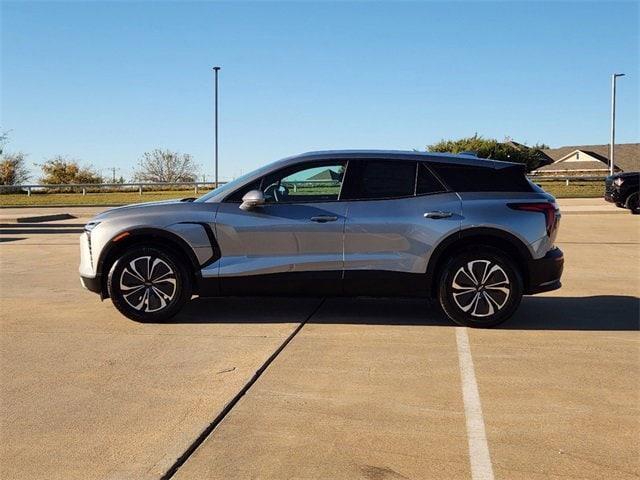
point(515, 144)
point(627, 157)
point(327, 174)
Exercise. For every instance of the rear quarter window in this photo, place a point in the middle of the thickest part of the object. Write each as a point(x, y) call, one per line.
point(468, 178)
point(427, 183)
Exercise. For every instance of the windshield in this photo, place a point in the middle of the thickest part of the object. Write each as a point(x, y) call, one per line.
point(234, 184)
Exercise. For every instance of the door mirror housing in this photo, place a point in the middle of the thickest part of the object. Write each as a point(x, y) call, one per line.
point(252, 199)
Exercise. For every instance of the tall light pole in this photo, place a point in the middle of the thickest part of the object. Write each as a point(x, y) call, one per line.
point(612, 146)
point(215, 73)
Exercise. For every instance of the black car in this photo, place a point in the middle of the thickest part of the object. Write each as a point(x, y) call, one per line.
point(622, 189)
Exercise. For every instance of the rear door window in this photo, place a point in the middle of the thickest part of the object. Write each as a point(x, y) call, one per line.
point(379, 179)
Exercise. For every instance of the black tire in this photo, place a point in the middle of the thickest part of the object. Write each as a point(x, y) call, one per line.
point(472, 304)
point(165, 290)
point(632, 204)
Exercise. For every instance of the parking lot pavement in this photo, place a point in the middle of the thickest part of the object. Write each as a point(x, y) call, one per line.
point(560, 384)
point(368, 388)
point(371, 388)
point(87, 393)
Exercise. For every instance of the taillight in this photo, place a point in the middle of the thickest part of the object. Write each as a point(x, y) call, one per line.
point(548, 209)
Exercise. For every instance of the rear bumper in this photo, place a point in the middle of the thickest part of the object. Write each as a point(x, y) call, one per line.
point(545, 272)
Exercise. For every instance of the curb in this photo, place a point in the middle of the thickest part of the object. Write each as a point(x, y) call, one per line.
point(594, 212)
point(39, 218)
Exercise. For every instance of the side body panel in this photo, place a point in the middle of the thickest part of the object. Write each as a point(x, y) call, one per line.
point(197, 237)
point(490, 210)
point(387, 243)
point(276, 243)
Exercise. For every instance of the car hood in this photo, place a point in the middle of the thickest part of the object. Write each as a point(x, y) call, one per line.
point(146, 208)
point(627, 175)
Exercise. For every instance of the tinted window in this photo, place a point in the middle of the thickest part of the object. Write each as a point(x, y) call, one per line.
point(466, 178)
point(427, 182)
point(378, 179)
point(317, 182)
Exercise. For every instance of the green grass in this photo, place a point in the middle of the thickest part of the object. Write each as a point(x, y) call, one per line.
point(575, 189)
point(110, 198)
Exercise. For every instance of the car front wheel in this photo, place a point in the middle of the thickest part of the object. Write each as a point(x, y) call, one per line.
point(480, 288)
point(147, 284)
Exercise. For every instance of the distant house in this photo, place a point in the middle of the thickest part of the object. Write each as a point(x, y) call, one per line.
point(590, 160)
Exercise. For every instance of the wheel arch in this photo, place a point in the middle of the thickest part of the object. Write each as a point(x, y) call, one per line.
point(480, 236)
point(152, 237)
point(630, 197)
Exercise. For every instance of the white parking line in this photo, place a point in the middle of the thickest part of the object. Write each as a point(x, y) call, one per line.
point(479, 457)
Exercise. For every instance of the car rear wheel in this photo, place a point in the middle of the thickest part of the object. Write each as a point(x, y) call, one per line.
point(148, 284)
point(480, 288)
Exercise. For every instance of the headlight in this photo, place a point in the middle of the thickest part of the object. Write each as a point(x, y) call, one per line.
point(618, 181)
point(90, 226)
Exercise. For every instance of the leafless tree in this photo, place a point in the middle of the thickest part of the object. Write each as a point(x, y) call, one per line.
point(166, 166)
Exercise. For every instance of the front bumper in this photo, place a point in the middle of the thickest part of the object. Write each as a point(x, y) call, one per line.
point(612, 193)
point(88, 276)
point(93, 284)
point(544, 273)
point(613, 196)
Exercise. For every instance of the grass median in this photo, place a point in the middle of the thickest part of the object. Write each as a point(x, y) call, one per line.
point(575, 189)
point(105, 198)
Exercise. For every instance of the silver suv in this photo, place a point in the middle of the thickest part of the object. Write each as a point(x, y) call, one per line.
point(474, 234)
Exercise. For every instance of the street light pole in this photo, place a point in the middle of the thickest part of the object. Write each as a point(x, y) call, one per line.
point(215, 72)
point(613, 121)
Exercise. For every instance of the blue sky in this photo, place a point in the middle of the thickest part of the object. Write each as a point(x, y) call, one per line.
point(104, 82)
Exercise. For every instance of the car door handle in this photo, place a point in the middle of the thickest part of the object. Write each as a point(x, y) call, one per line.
point(437, 215)
point(324, 218)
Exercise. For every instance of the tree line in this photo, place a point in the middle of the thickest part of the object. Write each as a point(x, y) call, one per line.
point(166, 166)
point(156, 166)
point(508, 151)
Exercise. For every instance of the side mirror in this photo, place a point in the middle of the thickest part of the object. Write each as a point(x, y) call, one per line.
point(252, 199)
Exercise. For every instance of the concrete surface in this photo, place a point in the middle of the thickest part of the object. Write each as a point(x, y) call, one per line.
point(588, 205)
point(15, 214)
point(369, 388)
point(89, 394)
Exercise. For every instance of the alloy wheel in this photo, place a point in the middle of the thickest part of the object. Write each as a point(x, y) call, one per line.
point(148, 284)
point(481, 288)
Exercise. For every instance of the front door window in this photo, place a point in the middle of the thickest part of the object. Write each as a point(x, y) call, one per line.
point(310, 184)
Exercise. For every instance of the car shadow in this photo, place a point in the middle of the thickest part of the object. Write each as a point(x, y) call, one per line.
point(602, 312)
